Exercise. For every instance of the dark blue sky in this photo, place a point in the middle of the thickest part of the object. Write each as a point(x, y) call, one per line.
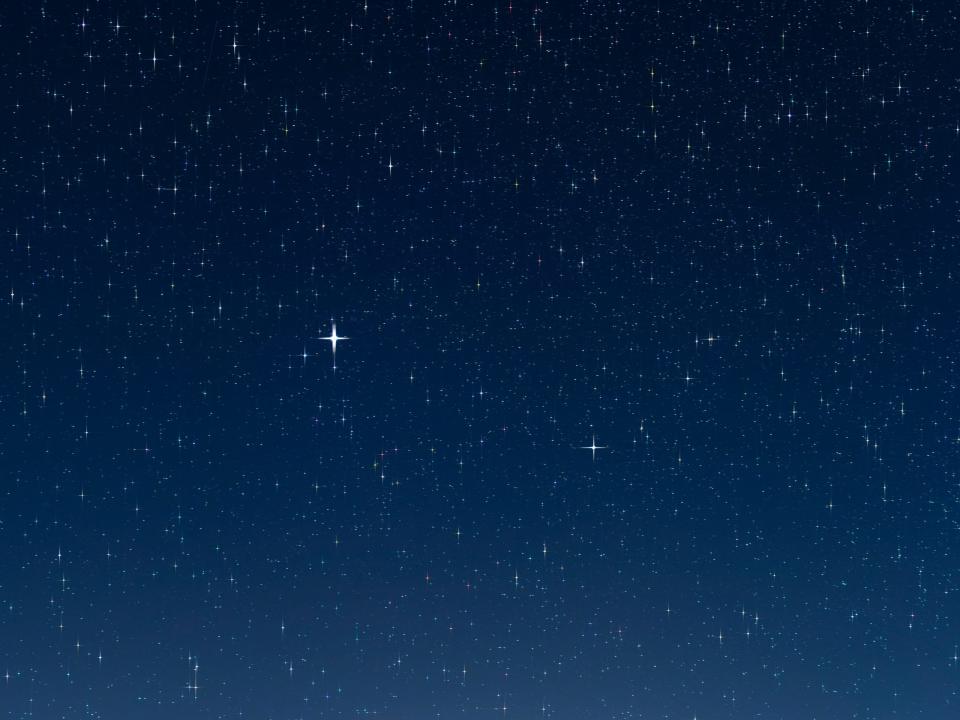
point(716, 242)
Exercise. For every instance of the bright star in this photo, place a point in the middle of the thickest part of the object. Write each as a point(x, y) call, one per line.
point(333, 338)
point(593, 447)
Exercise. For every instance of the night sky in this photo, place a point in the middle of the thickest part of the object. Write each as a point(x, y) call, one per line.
point(480, 360)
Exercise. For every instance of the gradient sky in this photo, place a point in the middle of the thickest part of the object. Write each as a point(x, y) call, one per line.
point(648, 402)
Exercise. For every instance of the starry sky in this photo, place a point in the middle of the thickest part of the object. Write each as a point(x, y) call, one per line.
point(644, 398)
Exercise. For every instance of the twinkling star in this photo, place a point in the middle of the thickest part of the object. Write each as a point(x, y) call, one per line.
point(333, 339)
point(593, 447)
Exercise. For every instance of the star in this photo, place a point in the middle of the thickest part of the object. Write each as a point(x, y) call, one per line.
point(333, 338)
point(593, 447)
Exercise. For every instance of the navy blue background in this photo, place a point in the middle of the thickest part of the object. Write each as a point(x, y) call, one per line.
point(720, 239)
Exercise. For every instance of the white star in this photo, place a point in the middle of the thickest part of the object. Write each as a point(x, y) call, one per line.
point(333, 338)
point(593, 447)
